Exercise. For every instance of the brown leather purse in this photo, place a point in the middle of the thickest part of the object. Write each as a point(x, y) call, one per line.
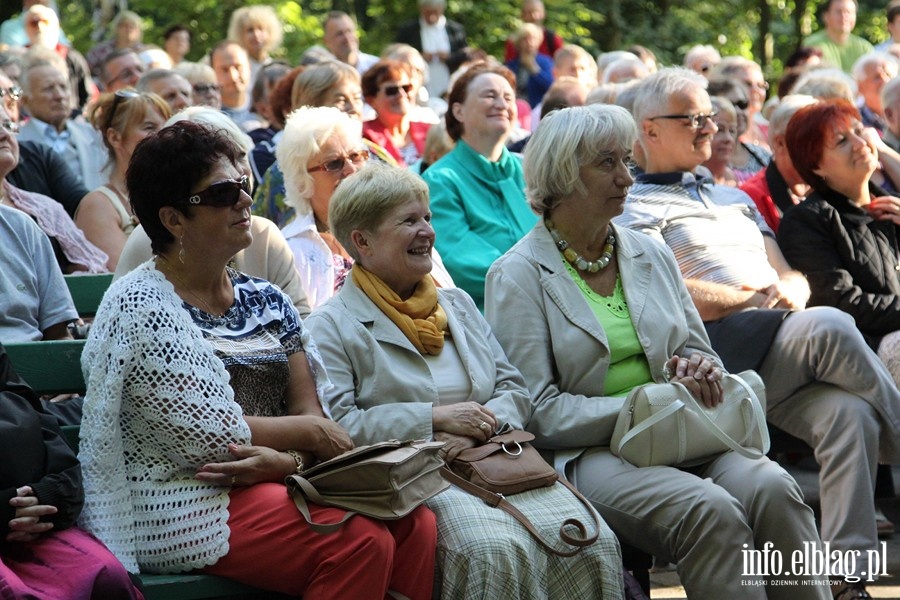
point(506, 465)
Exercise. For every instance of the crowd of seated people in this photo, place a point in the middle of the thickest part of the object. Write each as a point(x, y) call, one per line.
point(716, 225)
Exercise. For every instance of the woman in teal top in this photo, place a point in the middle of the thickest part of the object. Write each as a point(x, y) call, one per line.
point(478, 190)
point(586, 311)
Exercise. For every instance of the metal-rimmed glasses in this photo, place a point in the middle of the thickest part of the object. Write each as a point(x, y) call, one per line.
point(696, 121)
point(14, 92)
point(9, 126)
point(221, 193)
point(358, 158)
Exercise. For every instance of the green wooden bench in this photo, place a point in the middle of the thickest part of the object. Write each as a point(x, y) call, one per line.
point(54, 367)
point(87, 290)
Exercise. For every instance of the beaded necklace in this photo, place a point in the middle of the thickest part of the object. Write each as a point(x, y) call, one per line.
point(578, 261)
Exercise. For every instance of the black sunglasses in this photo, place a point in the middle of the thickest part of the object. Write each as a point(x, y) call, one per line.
point(393, 90)
point(221, 193)
point(122, 96)
point(741, 104)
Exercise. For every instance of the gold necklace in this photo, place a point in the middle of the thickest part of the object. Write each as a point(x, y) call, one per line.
point(184, 286)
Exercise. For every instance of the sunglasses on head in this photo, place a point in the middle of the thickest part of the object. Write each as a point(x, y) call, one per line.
point(221, 193)
point(122, 96)
point(393, 90)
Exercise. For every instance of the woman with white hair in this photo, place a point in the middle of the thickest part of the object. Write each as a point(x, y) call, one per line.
point(320, 148)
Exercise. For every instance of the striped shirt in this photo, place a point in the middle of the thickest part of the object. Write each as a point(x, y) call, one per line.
point(715, 231)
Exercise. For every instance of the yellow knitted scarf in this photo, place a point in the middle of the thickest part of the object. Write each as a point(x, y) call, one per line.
point(420, 318)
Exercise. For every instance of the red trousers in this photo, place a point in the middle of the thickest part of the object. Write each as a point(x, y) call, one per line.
point(272, 547)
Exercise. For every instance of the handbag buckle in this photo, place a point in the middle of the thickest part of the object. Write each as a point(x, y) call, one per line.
point(516, 452)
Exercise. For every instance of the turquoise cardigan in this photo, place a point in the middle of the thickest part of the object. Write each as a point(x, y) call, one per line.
point(478, 211)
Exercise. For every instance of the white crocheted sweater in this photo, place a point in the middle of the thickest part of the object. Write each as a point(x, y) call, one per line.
point(158, 406)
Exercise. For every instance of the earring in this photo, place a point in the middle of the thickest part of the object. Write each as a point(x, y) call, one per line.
point(181, 249)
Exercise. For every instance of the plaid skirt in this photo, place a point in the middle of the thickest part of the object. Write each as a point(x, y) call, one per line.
point(484, 553)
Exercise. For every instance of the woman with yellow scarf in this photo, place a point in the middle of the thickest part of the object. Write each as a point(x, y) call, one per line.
point(410, 360)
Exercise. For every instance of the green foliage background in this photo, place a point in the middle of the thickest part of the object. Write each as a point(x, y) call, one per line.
point(766, 30)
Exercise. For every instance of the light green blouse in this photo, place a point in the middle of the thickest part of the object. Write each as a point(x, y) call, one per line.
point(628, 367)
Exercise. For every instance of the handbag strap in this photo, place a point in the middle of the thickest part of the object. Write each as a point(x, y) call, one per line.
point(759, 419)
point(499, 501)
point(299, 489)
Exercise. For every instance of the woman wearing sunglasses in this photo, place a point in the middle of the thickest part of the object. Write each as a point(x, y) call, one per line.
point(123, 119)
point(321, 147)
point(204, 393)
point(388, 89)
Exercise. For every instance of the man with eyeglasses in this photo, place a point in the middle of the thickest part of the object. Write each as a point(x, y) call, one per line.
point(39, 169)
point(839, 45)
point(121, 68)
point(46, 97)
point(824, 384)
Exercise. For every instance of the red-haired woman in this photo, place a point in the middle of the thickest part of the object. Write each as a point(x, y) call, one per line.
point(844, 237)
point(388, 88)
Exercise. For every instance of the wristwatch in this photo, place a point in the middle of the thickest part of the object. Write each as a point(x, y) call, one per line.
point(299, 459)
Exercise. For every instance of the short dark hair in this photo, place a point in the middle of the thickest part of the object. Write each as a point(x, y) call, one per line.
point(461, 90)
point(117, 53)
point(165, 168)
point(173, 29)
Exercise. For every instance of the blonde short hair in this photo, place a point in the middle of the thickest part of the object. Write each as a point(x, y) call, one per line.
point(363, 200)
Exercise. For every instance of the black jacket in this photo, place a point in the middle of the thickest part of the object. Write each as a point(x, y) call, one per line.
point(850, 259)
point(43, 171)
point(34, 453)
point(410, 33)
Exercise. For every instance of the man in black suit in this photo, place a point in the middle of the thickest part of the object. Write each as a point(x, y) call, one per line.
point(436, 37)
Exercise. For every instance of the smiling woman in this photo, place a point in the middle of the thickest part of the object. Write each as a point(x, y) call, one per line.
point(206, 359)
point(477, 189)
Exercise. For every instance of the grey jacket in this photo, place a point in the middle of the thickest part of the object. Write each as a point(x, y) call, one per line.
point(382, 387)
point(552, 336)
point(92, 155)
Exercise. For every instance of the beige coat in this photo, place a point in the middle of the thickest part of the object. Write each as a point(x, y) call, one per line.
point(553, 337)
point(383, 388)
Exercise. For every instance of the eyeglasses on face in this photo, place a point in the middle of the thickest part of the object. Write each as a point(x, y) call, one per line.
point(695, 121)
point(128, 73)
point(14, 92)
point(221, 193)
point(9, 126)
point(740, 104)
point(205, 88)
point(358, 158)
point(393, 90)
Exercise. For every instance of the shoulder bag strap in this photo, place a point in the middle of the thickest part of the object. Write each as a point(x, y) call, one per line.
point(298, 489)
point(756, 411)
point(649, 422)
point(498, 501)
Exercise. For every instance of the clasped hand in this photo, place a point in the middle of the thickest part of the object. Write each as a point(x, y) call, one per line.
point(468, 419)
point(699, 375)
point(26, 525)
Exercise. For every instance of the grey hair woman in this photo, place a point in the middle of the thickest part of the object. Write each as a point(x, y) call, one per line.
point(587, 311)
